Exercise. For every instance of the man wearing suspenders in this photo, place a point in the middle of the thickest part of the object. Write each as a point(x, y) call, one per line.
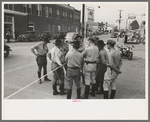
point(57, 58)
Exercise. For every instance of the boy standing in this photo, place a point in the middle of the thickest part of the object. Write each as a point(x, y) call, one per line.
point(74, 61)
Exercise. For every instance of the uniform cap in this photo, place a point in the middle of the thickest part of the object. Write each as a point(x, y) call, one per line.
point(92, 39)
point(100, 43)
point(45, 39)
point(76, 44)
point(57, 42)
point(77, 35)
point(111, 42)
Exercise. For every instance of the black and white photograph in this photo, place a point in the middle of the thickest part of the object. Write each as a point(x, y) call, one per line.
point(74, 60)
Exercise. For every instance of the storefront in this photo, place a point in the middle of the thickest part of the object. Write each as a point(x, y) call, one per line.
point(9, 21)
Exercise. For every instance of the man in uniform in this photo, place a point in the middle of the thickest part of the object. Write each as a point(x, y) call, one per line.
point(90, 55)
point(113, 69)
point(41, 52)
point(102, 62)
point(74, 61)
point(57, 58)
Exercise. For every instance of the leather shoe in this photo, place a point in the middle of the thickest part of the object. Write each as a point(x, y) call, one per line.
point(63, 93)
point(56, 92)
point(99, 92)
point(46, 79)
point(40, 82)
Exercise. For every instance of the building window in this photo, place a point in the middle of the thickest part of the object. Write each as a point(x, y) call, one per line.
point(68, 28)
point(66, 16)
point(57, 14)
point(8, 19)
point(50, 12)
point(77, 17)
point(49, 28)
point(46, 12)
point(39, 10)
point(9, 6)
point(31, 26)
point(29, 8)
point(70, 17)
point(63, 15)
point(25, 8)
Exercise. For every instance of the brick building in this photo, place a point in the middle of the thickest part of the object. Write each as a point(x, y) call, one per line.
point(41, 17)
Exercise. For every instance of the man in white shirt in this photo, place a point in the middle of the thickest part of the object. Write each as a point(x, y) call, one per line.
point(58, 59)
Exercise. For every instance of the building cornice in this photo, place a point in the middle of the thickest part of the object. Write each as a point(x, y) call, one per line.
point(14, 12)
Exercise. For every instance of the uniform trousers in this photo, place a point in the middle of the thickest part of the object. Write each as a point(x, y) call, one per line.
point(42, 63)
point(73, 74)
point(110, 79)
point(100, 74)
point(57, 74)
point(90, 73)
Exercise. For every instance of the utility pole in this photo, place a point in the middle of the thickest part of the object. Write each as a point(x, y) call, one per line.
point(83, 11)
point(120, 18)
point(27, 17)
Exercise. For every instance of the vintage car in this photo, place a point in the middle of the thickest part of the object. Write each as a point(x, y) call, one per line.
point(70, 36)
point(45, 33)
point(132, 37)
point(59, 34)
point(28, 36)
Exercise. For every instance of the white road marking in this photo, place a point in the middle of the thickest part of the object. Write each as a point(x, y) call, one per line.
point(31, 83)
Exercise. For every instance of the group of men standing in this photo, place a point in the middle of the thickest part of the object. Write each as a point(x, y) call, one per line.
point(96, 66)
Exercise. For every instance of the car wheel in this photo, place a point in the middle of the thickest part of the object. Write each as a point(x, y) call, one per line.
point(26, 40)
point(130, 55)
point(6, 53)
point(137, 41)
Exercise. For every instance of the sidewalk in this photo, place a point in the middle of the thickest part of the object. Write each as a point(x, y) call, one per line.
point(11, 40)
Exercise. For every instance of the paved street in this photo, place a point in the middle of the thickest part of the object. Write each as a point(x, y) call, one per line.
point(20, 69)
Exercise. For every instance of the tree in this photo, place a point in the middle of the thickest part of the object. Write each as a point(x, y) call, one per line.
point(134, 25)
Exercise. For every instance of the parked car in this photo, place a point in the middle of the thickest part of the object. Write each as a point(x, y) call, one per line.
point(28, 36)
point(59, 34)
point(45, 33)
point(6, 50)
point(132, 37)
point(70, 36)
point(114, 34)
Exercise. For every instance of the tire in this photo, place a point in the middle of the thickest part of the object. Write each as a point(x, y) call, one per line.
point(130, 55)
point(137, 41)
point(26, 40)
point(6, 54)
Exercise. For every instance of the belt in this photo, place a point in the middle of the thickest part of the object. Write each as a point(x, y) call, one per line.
point(41, 55)
point(74, 67)
point(90, 62)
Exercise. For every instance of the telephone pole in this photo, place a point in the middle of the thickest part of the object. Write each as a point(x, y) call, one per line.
point(83, 23)
point(120, 17)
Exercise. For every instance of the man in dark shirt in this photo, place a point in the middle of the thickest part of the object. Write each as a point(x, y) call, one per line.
point(102, 62)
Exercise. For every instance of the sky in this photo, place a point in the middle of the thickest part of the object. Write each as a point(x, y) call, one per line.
point(108, 12)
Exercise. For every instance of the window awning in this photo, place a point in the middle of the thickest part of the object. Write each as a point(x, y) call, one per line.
point(15, 12)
